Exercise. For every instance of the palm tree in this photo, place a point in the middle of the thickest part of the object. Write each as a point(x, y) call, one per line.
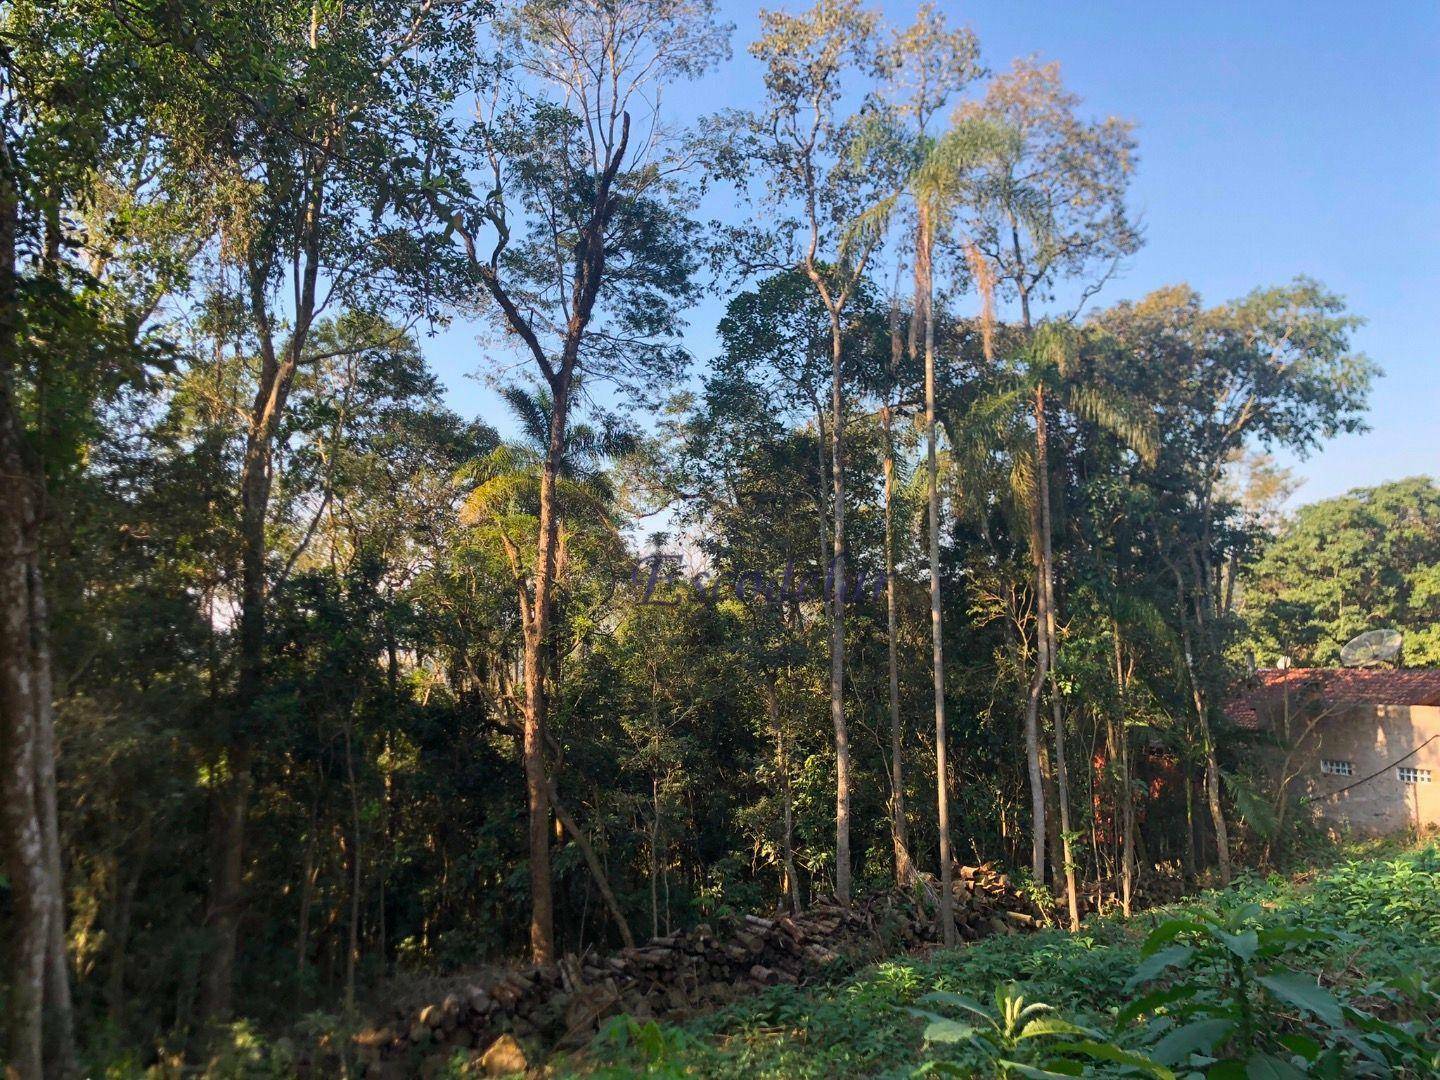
point(935, 184)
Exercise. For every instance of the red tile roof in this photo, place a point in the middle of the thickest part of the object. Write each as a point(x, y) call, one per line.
point(1334, 686)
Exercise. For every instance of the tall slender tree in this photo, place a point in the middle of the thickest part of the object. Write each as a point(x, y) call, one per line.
point(927, 64)
point(812, 154)
point(570, 210)
point(1051, 209)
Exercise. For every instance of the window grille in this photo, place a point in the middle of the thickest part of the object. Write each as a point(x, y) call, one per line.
point(1331, 767)
point(1409, 775)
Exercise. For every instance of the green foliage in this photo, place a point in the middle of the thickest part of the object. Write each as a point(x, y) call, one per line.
point(1329, 977)
point(1366, 560)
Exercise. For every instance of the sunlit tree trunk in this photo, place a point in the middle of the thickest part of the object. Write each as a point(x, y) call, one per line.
point(924, 291)
point(904, 867)
point(1047, 586)
point(837, 615)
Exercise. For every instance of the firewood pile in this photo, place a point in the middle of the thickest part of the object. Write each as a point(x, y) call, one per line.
point(676, 976)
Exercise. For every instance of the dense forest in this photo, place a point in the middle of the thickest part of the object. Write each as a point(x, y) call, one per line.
point(945, 555)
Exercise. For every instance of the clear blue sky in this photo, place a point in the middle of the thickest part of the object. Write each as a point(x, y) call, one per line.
point(1276, 138)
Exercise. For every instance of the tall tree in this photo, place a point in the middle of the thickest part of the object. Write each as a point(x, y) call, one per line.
point(297, 146)
point(74, 92)
point(1274, 367)
point(928, 63)
point(581, 244)
point(1050, 209)
point(809, 153)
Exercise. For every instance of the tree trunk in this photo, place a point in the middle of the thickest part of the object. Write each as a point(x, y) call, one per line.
point(1047, 626)
point(1207, 744)
point(942, 785)
point(904, 866)
point(537, 632)
point(307, 891)
point(352, 944)
point(837, 618)
point(1127, 799)
point(1033, 748)
point(26, 862)
point(597, 869)
point(37, 1003)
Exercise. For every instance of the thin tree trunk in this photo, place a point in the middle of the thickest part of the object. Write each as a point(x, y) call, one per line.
point(1127, 800)
point(537, 632)
point(654, 857)
point(24, 835)
point(1207, 744)
point(277, 375)
point(597, 869)
point(942, 777)
point(787, 804)
point(41, 1024)
point(352, 945)
point(904, 866)
point(1047, 586)
point(837, 618)
point(307, 892)
point(1033, 749)
point(119, 943)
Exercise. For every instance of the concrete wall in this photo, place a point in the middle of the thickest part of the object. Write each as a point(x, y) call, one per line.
point(1372, 738)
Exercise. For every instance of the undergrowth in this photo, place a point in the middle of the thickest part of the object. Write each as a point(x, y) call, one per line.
point(1335, 974)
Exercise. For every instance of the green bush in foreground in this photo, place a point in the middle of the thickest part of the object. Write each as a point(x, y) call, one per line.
point(1335, 977)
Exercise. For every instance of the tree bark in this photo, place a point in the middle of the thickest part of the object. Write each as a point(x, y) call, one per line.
point(787, 803)
point(837, 616)
point(1033, 748)
point(1207, 745)
point(40, 1028)
point(942, 785)
point(1047, 625)
point(26, 862)
point(904, 865)
point(277, 376)
point(1127, 799)
point(597, 869)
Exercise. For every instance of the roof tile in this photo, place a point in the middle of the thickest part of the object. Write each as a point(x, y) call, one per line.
point(1336, 686)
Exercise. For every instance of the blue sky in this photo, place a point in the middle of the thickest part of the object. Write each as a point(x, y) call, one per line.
point(1276, 138)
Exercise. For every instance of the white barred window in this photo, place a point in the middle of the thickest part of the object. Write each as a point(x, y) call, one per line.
point(1414, 776)
point(1331, 767)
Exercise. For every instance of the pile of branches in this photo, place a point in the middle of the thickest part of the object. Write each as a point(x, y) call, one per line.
point(676, 976)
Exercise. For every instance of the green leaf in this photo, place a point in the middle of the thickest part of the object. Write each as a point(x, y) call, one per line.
point(1020, 1069)
point(948, 1031)
point(1151, 1002)
point(1202, 1035)
point(945, 997)
point(1169, 931)
point(1107, 1051)
point(1052, 1025)
point(1270, 1067)
point(1304, 993)
point(1242, 944)
point(1157, 962)
point(1303, 1045)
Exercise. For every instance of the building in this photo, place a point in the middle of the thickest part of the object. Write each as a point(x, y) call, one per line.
point(1359, 748)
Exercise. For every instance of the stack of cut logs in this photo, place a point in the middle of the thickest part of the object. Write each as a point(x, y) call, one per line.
point(674, 976)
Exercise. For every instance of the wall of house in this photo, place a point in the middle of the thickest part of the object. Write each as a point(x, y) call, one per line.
point(1372, 738)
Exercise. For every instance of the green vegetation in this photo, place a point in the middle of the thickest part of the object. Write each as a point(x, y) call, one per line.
point(1367, 560)
point(1333, 974)
point(310, 684)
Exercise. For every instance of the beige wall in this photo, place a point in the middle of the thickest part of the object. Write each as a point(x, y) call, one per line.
point(1372, 738)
